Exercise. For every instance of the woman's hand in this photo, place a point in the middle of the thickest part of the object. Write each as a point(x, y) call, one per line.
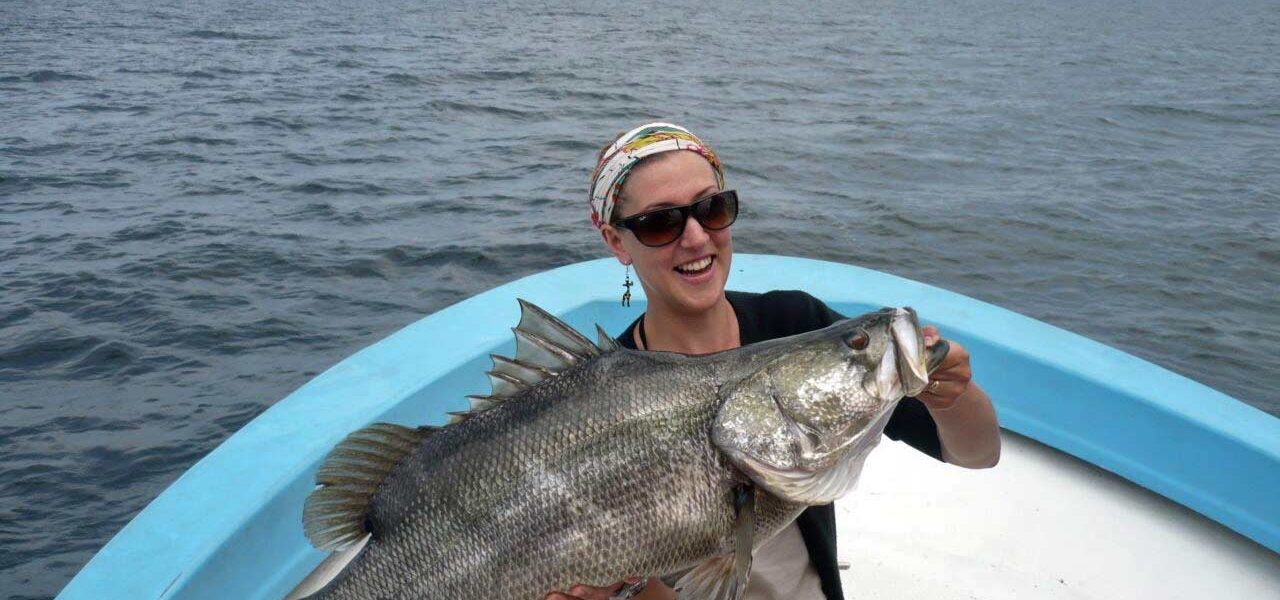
point(951, 379)
point(587, 592)
point(966, 420)
point(653, 590)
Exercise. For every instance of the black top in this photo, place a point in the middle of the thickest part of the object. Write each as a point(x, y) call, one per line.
point(782, 313)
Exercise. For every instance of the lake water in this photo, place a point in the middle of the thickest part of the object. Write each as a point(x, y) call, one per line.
point(202, 205)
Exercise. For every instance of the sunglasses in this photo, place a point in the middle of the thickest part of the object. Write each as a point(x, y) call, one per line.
point(661, 226)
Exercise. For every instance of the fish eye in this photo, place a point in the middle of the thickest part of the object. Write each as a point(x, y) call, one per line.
point(859, 340)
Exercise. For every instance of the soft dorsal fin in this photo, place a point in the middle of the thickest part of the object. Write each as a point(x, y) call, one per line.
point(334, 514)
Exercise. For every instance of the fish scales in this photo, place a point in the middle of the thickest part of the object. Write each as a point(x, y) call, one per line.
point(481, 504)
point(592, 463)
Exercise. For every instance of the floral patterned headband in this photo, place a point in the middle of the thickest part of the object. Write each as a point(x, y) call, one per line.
point(645, 140)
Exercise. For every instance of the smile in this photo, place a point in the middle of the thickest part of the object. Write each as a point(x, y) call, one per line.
point(696, 267)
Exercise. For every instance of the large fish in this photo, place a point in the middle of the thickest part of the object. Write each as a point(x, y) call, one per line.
point(590, 463)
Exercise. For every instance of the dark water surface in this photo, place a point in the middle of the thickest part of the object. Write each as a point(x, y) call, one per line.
point(202, 205)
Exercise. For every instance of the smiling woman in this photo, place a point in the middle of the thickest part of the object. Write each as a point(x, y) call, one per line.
point(658, 198)
point(682, 263)
point(683, 279)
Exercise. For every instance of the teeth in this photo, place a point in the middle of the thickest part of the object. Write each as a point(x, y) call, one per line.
point(696, 265)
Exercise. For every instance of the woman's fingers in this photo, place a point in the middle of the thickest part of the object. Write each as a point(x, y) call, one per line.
point(590, 592)
point(951, 378)
point(931, 335)
point(586, 592)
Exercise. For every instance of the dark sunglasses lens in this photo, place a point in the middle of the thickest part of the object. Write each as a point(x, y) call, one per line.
point(658, 228)
point(718, 211)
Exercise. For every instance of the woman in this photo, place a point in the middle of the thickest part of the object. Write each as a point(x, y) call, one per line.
point(658, 199)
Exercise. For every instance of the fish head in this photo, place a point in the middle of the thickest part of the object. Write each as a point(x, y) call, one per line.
point(804, 413)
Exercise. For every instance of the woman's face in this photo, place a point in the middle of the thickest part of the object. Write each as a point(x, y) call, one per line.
point(668, 273)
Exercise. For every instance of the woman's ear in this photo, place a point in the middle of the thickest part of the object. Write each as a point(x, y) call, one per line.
point(614, 241)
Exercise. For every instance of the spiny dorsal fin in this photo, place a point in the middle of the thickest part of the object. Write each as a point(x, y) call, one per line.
point(509, 376)
point(549, 342)
point(479, 403)
point(606, 343)
point(527, 373)
point(334, 514)
point(459, 416)
point(504, 385)
point(545, 346)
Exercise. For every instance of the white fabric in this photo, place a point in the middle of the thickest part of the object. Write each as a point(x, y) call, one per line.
point(781, 570)
point(617, 162)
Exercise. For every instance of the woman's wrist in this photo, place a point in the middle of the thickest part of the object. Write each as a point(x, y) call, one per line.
point(969, 430)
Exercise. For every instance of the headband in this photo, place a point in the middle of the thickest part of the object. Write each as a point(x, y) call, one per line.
point(645, 140)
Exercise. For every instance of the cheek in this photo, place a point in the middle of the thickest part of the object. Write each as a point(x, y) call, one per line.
point(723, 241)
point(649, 260)
point(723, 238)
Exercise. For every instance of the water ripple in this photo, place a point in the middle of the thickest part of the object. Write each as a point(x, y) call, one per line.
point(44, 76)
point(203, 206)
point(209, 34)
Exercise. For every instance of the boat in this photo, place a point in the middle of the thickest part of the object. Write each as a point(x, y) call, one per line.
point(1118, 479)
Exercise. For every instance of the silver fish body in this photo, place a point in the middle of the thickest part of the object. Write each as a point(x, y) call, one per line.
point(612, 463)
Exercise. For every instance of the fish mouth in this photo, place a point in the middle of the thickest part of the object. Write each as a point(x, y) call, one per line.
point(913, 361)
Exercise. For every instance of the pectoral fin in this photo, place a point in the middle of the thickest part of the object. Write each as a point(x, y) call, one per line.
point(725, 577)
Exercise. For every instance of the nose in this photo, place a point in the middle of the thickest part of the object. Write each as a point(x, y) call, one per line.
point(694, 235)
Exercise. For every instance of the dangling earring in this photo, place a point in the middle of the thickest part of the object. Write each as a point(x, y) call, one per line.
point(626, 296)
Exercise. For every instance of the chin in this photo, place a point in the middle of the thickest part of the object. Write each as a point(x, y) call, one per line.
point(701, 302)
point(697, 299)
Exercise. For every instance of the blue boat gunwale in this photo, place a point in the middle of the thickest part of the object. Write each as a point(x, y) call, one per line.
point(1179, 438)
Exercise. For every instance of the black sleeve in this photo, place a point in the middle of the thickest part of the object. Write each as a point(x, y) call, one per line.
point(627, 339)
point(818, 530)
point(912, 423)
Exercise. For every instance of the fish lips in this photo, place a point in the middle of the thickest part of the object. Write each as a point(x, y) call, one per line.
point(914, 361)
